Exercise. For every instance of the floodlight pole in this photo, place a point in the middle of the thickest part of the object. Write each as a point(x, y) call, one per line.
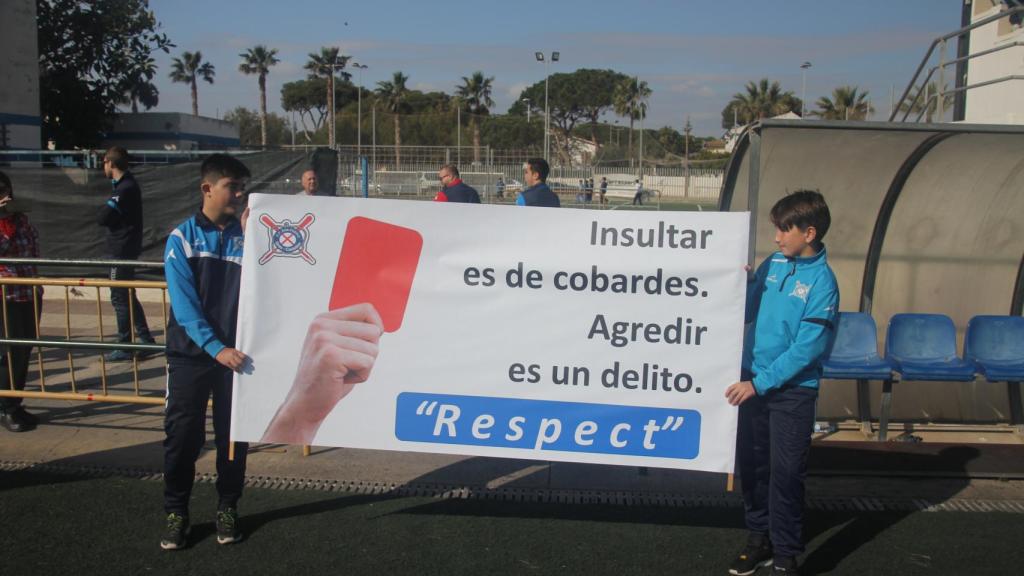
point(547, 111)
point(359, 110)
point(803, 91)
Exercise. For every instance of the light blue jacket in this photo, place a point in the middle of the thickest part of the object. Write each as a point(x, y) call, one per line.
point(793, 304)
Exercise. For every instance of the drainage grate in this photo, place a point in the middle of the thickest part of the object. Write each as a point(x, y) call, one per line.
point(540, 495)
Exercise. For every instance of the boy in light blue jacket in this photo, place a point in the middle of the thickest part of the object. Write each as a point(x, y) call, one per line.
point(792, 304)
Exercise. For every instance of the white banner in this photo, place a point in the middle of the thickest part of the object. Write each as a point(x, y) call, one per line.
point(551, 334)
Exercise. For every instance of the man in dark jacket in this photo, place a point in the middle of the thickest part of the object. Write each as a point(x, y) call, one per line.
point(453, 189)
point(535, 172)
point(122, 217)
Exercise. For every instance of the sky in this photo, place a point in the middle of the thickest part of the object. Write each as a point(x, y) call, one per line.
point(693, 54)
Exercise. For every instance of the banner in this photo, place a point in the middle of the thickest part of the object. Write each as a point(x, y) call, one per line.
point(550, 334)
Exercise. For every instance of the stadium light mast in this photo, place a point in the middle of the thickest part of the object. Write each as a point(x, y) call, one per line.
point(359, 109)
point(527, 100)
point(547, 112)
point(803, 91)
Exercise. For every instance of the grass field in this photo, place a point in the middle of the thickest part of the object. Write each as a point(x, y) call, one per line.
point(58, 524)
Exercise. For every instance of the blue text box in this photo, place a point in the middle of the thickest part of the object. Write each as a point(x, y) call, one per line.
point(547, 425)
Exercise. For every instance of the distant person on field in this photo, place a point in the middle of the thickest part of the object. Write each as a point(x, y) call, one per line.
point(18, 239)
point(499, 188)
point(537, 193)
point(453, 189)
point(203, 284)
point(603, 190)
point(310, 184)
point(121, 215)
point(638, 198)
point(792, 309)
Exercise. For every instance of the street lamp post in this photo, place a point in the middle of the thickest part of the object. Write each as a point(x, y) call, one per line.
point(527, 100)
point(803, 91)
point(359, 110)
point(547, 113)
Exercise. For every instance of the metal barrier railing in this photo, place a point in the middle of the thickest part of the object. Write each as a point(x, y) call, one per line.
point(68, 342)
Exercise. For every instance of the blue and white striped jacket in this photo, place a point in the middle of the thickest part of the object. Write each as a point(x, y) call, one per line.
point(203, 267)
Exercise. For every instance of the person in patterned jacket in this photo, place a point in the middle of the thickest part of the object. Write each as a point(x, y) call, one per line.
point(18, 239)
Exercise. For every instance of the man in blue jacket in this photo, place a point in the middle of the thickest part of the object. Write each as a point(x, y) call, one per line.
point(203, 266)
point(121, 215)
point(453, 189)
point(792, 303)
point(537, 193)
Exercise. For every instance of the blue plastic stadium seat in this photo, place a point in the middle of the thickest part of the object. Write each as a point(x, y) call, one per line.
point(996, 345)
point(854, 354)
point(923, 347)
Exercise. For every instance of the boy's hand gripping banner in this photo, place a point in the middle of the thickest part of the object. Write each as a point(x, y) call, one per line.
point(551, 334)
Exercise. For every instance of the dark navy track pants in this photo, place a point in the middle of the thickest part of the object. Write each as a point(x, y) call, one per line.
point(189, 387)
point(772, 443)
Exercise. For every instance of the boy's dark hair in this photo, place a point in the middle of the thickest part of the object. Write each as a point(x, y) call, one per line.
point(540, 166)
point(803, 209)
point(118, 157)
point(217, 166)
point(5, 184)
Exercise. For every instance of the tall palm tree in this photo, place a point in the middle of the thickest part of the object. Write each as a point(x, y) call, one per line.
point(188, 70)
point(927, 102)
point(762, 99)
point(475, 97)
point(258, 60)
point(630, 100)
point(393, 95)
point(329, 63)
point(846, 103)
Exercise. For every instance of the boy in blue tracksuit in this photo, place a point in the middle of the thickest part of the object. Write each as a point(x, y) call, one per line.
point(203, 267)
point(792, 303)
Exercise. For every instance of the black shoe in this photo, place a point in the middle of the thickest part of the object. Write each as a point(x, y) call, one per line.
point(18, 420)
point(119, 356)
point(787, 566)
point(176, 532)
point(756, 554)
point(143, 354)
point(227, 526)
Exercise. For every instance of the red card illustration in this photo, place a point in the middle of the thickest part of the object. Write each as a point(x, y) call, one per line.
point(377, 265)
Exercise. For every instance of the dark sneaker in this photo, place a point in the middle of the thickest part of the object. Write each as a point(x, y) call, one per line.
point(787, 566)
point(18, 420)
point(757, 554)
point(227, 526)
point(176, 533)
point(143, 354)
point(119, 356)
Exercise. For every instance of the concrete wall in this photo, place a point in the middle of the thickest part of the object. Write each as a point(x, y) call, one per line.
point(171, 131)
point(1001, 103)
point(19, 76)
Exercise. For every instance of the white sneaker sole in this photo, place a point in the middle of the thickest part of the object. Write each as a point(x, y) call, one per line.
point(764, 564)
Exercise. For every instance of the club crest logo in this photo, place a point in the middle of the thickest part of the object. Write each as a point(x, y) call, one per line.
point(287, 239)
point(801, 291)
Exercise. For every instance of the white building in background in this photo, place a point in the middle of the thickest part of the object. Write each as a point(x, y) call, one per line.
point(1002, 102)
point(171, 131)
point(19, 76)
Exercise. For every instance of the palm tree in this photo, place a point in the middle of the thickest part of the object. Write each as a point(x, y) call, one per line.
point(327, 64)
point(846, 103)
point(475, 97)
point(630, 100)
point(762, 99)
point(393, 94)
point(188, 70)
point(139, 89)
point(258, 60)
point(927, 102)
